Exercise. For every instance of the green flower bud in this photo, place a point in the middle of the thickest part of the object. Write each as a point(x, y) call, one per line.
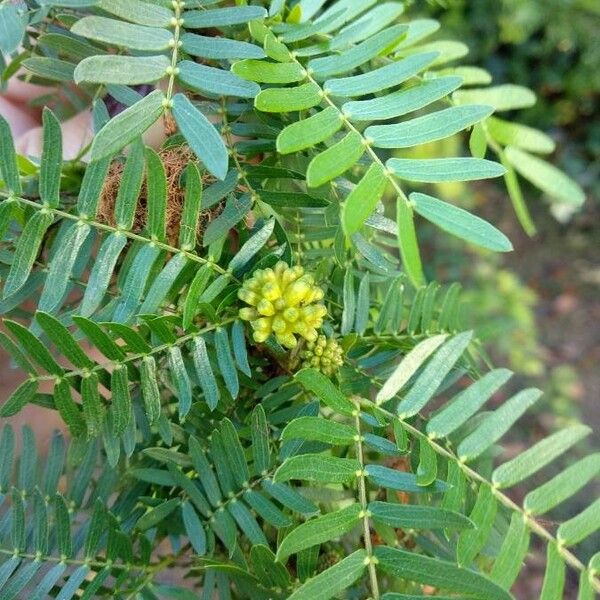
point(324, 354)
point(286, 303)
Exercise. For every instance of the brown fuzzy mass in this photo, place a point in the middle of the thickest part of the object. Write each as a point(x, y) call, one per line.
point(175, 159)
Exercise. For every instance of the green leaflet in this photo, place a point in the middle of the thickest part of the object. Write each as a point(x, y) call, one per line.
point(329, 583)
point(319, 429)
point(191, 208)
point(323, 68)
point(326, 392)
point(156, 195)
point(409, 366)
point(293, 199)
point(379, 79)
point(220, 48)
point(363, 199)
point(161, 286)
point(437, 573)
point(512, 553)
point(94, 411)
point(64, 341)
point(121, 399)
point(261, 453)
point(319, 530)
point(204, 372)
point(516, 196)
point(318, 467)
point(399, 480)
point(407, 242)
point(235, 210)
point(12, 28)
point(252, 246)
point(309, 132)
point(520, 136)
point(201, 135)
point(563, 486)
point(554, 578)
point(537, 457)
point(91, 188)
point(427, 467)
point(401, 102)
point(546, 177)
point(336, 160)
point(497, 424)
point(127, 70)
point(435, 170)
point(500, 97)
point(50, 68)
point(26, 251)
point(193, 528)
point(225, 362)
point(460, 223)
point(408, 516)
point(68, 409)
point(220, 17)
point(128, 125)
point(580, 526)
point(112, 31)
point(51, 161)
point(280, 100)
point(149, 387)
point(433, 374)
point(428, 128)
point(196, 288)
point(155, 515)
point(8, 156)
point(268, 72)
point(137, 11)
point(19, 398)
point(218, 82)
point(130, 187)
point(463, 406)
point(180, 380)
point(101, 273)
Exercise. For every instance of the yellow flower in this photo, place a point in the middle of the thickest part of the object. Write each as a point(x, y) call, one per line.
point(325, 354)
point(284, 301)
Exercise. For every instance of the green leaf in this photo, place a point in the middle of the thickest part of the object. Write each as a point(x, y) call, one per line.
point(261, 453)
point(497, 424)
point(94, 411)
point(51, 161)
point(156, 194)
point(581, 526)
point(516, 196)
point(500, 97)
point(210, 80)
point(225, 362)
point(409, 366)
point(156, 515)
point(137, 11)
point(464, 405)
point(162, 284)
point(23, 395)
point(336, 160)
point(8, 156)
point(68, 409)
point(309, 132)
point(546, 177)
point(191, 208)
point(204, 372)
point(315, 382)
point(428, 128)
point(26, 251)
point(280, 100)
point(521, 136)
point(407, 242)
point(435, 170)
point(118, 33)
point(398, 480)
point(329, 583)
point(121, 399)
point(91, 188)
point(510, 559)
point(318, 467)
point(433, 374)
point(554, 577)
point(63, 340)
point(438, 573)
point(128, 125)
point(401, 102)
point(50, 68)
point(460, 223)
point(379, 79)
point(407, 516)
point(222, 17)
point(252, 246)
point(193, 528)
point(471, 542)
point(219, 48)
point(538, 456)
point(125, 70)
point(235, 210)
point(363, 199)
point(293, 199)
point(201, 135)
point(100, 339)
point(12, 28)
point(195, 290)
point(180, 380)
point(268, 72)
point(564, 485)
point(325, 67)
point(427, 468)
point(149, 388)
point(318, 429)
point(319, 530)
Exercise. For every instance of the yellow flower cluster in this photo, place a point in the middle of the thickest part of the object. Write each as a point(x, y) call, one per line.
point(325, 354)
point(285, 301)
